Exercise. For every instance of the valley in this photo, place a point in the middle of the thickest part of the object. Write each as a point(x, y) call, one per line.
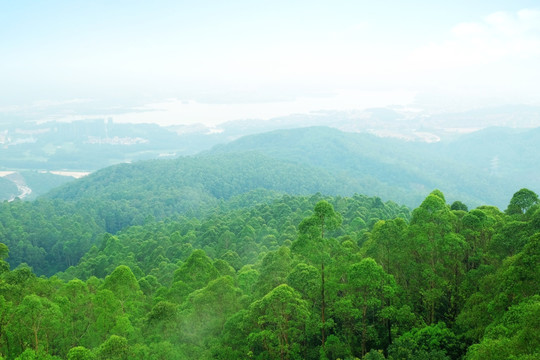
point(301, 242)
point(270, 180)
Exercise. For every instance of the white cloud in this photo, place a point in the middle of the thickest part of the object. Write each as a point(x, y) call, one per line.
point(273, 68)
point(499, 37)
point(496, 57)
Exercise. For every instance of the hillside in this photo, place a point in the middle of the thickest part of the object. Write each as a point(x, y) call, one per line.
point(320, 159)
point(482, 167)
point(337, 277)
point(194, 184)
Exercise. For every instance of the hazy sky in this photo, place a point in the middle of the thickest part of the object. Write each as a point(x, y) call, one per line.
point(211, 61)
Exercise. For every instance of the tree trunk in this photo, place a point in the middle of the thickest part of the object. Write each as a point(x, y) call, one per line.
point(364, 330)
point(323, 304)
point(389, 326)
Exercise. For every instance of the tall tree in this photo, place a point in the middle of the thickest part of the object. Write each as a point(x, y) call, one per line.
point(123, 283)
point(369, 284)
point(39, 321)
point(313, 245)
point(522, 201)
point(279, 317)
point(435, 254)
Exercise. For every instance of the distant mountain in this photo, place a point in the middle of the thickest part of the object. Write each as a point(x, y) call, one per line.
point(480, 168)
point(92, 144)
point(374, 163)
point(484, 167)
point(511, 154)
point(515, 116)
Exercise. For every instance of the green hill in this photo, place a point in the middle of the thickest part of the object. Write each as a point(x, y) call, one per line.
point(483, 167)
point(190, 185)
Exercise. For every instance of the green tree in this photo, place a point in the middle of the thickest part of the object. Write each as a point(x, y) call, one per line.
point(114, 348)
point(106, 310)
point(436, 253)
point(515, 336)
point(123, 283)
point(162, 321)
point(76, 305)
point(39, 320)
point(314, 246)
point(273, 270)
point(386, 245)
point(435, 341)
point(30, 354)
point(305, 279)
point(369, 285)
point(458, 205)
point(522, 201)
point(80, 353)
point(4, 251)
point(197, 271)
point(6, 316)
point(206, 310)
point(247, 279)
point(279, 319)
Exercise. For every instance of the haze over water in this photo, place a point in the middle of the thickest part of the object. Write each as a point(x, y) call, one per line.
point(208, 62)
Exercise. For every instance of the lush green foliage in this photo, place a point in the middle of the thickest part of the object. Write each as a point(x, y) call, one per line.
point(289, 277)
point(48, 235)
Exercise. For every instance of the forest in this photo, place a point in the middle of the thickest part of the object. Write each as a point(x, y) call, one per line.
point(270, 180)
point(237, 271)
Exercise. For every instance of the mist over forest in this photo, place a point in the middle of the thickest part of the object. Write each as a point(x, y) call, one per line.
point(137, 241)
point(305, 180)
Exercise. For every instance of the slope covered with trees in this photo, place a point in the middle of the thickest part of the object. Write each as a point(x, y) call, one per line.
point(478, 168)
point(52, 233)
point(211, 177)
point(297, 277)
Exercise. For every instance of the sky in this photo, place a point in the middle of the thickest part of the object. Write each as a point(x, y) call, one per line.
point(182, 62)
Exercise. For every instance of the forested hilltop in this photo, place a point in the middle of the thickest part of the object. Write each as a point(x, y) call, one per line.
point(483, 167)
point(262, 275)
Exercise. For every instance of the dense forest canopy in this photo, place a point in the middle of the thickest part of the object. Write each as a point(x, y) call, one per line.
point(235, 253)
point(264, 275)
point(270, 180)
